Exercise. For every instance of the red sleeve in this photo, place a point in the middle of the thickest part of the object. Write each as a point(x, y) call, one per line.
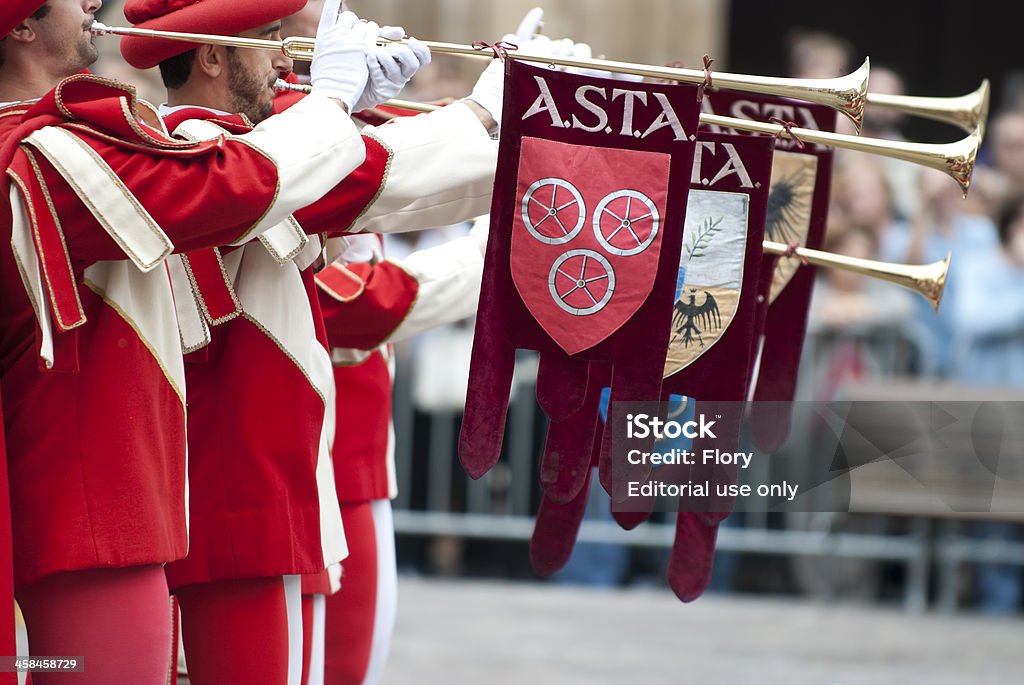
point(199, 201)
point(335, 213)
point(363, 305)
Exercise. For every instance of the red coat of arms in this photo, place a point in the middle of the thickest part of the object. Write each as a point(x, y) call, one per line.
point(587, 237)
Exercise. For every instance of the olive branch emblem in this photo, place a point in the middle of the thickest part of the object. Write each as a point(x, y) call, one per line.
point(701, 240)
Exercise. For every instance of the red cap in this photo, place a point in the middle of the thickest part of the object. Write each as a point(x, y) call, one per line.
point(13, 12)
point(218, 17)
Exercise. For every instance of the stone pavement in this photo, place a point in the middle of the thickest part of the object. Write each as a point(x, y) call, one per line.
point(496, 633)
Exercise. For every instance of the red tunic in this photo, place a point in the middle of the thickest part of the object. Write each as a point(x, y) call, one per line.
point(257, 395)
point(96, 428)
point(367, 306)
point(363, 305)
point(256, 404)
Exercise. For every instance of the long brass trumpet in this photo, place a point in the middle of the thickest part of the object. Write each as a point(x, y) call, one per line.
point(969, 112)
point(955, 159)
point(927, 280)
point(846, 94)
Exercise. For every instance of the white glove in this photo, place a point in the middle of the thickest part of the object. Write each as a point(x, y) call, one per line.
point(339, 68)
point(480, 232)
point(360, 248)
point(489, 91)
point(391, 67)
point(530, 26)
point(533, 44)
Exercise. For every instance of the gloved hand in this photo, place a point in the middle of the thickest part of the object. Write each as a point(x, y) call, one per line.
point(360, 248)
point(480, 232)
point(339, 68)
point(391, 67)
point(489, 91)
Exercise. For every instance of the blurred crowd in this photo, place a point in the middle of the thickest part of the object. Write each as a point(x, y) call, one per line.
point(895, 211)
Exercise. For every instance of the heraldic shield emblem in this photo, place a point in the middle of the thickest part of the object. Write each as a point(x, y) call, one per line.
point(587, 238)
point(710, 274)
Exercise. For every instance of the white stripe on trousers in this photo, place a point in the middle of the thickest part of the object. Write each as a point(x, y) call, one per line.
point(387, 590)
point(293, 605)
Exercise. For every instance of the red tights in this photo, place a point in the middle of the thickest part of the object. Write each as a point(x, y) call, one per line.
point(119, 620)
point(235, 632)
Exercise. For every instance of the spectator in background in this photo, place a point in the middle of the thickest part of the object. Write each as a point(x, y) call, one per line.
point(880, 122)
point(943, 224)
point(1006, 138)
point(845, 305)
point(886, 124)
point(989, 315)
point(863, 195)
point(999, 175)
point(816, 54)
point(989, 307)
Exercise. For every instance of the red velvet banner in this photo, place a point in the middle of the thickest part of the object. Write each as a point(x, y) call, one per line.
point(586, 232)
point(713, 333)
point(797, 212)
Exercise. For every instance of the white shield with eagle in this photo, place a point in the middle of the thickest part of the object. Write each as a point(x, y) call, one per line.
point(710, 274)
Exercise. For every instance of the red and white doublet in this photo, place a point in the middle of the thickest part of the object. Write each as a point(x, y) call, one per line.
point(366, 307)
point(90, 349)
point(261, 389)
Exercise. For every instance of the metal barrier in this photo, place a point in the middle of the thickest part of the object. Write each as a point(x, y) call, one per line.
point(437, 499)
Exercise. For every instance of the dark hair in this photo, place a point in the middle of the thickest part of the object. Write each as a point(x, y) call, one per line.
point(1009, 212)
point(37, 15)
point(175, 71)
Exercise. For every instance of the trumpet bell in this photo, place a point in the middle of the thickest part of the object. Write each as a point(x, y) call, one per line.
point(927, 280)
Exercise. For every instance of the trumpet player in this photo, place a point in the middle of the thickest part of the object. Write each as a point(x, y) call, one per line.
point(90, 351)
point(261, 391)
point(370, 301)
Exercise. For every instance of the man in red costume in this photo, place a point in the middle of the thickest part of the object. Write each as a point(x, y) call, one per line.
point(259, 443)
point(90, 351)
point(369, 302)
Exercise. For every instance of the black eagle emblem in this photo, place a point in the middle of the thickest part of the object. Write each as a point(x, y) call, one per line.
point(788, 199)
point(689, 314)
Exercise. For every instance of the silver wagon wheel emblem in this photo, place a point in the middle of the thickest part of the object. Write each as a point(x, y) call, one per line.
point(626, 222)
point(582, 282)
point(553, 211)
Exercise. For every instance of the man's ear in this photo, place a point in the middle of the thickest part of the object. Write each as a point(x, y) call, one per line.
point(22, 33)
point(211, 60)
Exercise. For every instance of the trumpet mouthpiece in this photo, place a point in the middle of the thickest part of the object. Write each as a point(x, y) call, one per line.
point(286, 87)
point(99, 29)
